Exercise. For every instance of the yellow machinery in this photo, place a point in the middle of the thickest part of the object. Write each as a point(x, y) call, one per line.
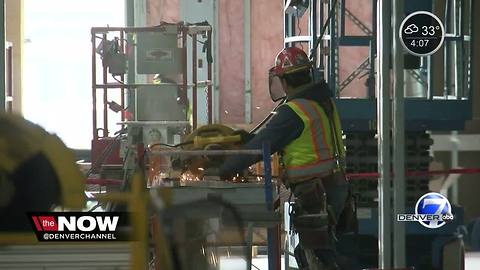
point(208, 137)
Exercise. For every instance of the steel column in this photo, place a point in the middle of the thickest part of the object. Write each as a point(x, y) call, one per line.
point(332, 57)
point(398, 134)
point(333, 40)
point(94, 89)
point(122, 77)
point(372, 53)
point(105, 92)
point(209, 94)
point(9, 74)
point(383, 127)
point(184, 94)
point(447, 53)
point(319, 52)
point(272, 232)
point(2, 56)
point(313, 30)
point(471, 48)
point(216, 66)
point(247, 61)
point(194, 82)
point(459, 50)
point(130, 22)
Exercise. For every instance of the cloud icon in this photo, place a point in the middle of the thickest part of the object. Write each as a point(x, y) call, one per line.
point(412, 28)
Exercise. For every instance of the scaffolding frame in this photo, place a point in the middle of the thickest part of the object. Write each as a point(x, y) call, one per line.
point(124, 35)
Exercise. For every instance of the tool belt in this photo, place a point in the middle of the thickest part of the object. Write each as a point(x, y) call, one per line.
point(309, 216)
point(318, 218)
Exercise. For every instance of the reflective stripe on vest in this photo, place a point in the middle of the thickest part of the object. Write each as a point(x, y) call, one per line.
point(311, 154)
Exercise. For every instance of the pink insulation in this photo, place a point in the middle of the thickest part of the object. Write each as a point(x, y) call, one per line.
point(266, 40)
point(231, 61)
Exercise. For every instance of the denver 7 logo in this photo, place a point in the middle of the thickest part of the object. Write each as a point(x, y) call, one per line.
point(436, 206)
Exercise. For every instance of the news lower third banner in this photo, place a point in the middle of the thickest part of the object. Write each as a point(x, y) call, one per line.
point(80, 226)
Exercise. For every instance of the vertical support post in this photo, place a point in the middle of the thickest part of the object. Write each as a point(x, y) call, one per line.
point(447, 53)
point(130, 20)
point(2, 56)
point(289, 28)
point(209, 95)
point(342, 18)
point(430, 77)
point(137, 205)
point(398, 133)
point(105, 90)
point(272, 239)
point(209, 83)
point(182, 30)
point(94, 87)
point(249, 245)
point(454, 164)
point(333, 47)
point(319, 52)
point(471, 43)
point(122, 77)
point(194, 81)
point(383, 128)
point(371, 73)
point(9, 74)
point(216, 67)
point(459, 50)
point(313, 30)
point(372, 53)
point(247, 61)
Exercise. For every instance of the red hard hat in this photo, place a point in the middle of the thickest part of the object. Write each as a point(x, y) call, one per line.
point(290, 60)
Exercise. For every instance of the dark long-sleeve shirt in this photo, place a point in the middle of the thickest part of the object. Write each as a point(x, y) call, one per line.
point(284, 127)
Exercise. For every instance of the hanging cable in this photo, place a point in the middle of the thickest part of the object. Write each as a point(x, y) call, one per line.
point(257, 127)
point(171, 145)
point(324, 28)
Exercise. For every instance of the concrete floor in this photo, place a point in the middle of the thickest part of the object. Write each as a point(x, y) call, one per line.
point(232, 263)
point(472, 261)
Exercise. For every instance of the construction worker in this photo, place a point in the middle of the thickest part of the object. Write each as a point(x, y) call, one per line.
point(306, 132)
point(37, 171)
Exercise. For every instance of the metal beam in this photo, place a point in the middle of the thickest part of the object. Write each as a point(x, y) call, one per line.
point(459, 49)
point(216, 65)
point(247, 61)
point(130, 22)
point(2, 56)
point(383, 128)
point(398, 135)
point(458, 142)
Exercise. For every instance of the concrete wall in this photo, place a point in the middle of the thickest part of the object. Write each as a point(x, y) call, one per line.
point(14, 34)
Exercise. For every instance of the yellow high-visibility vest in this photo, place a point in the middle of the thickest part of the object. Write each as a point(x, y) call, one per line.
point(313, 152)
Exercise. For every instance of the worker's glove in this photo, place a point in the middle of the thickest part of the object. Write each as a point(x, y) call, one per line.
point(244, 135)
